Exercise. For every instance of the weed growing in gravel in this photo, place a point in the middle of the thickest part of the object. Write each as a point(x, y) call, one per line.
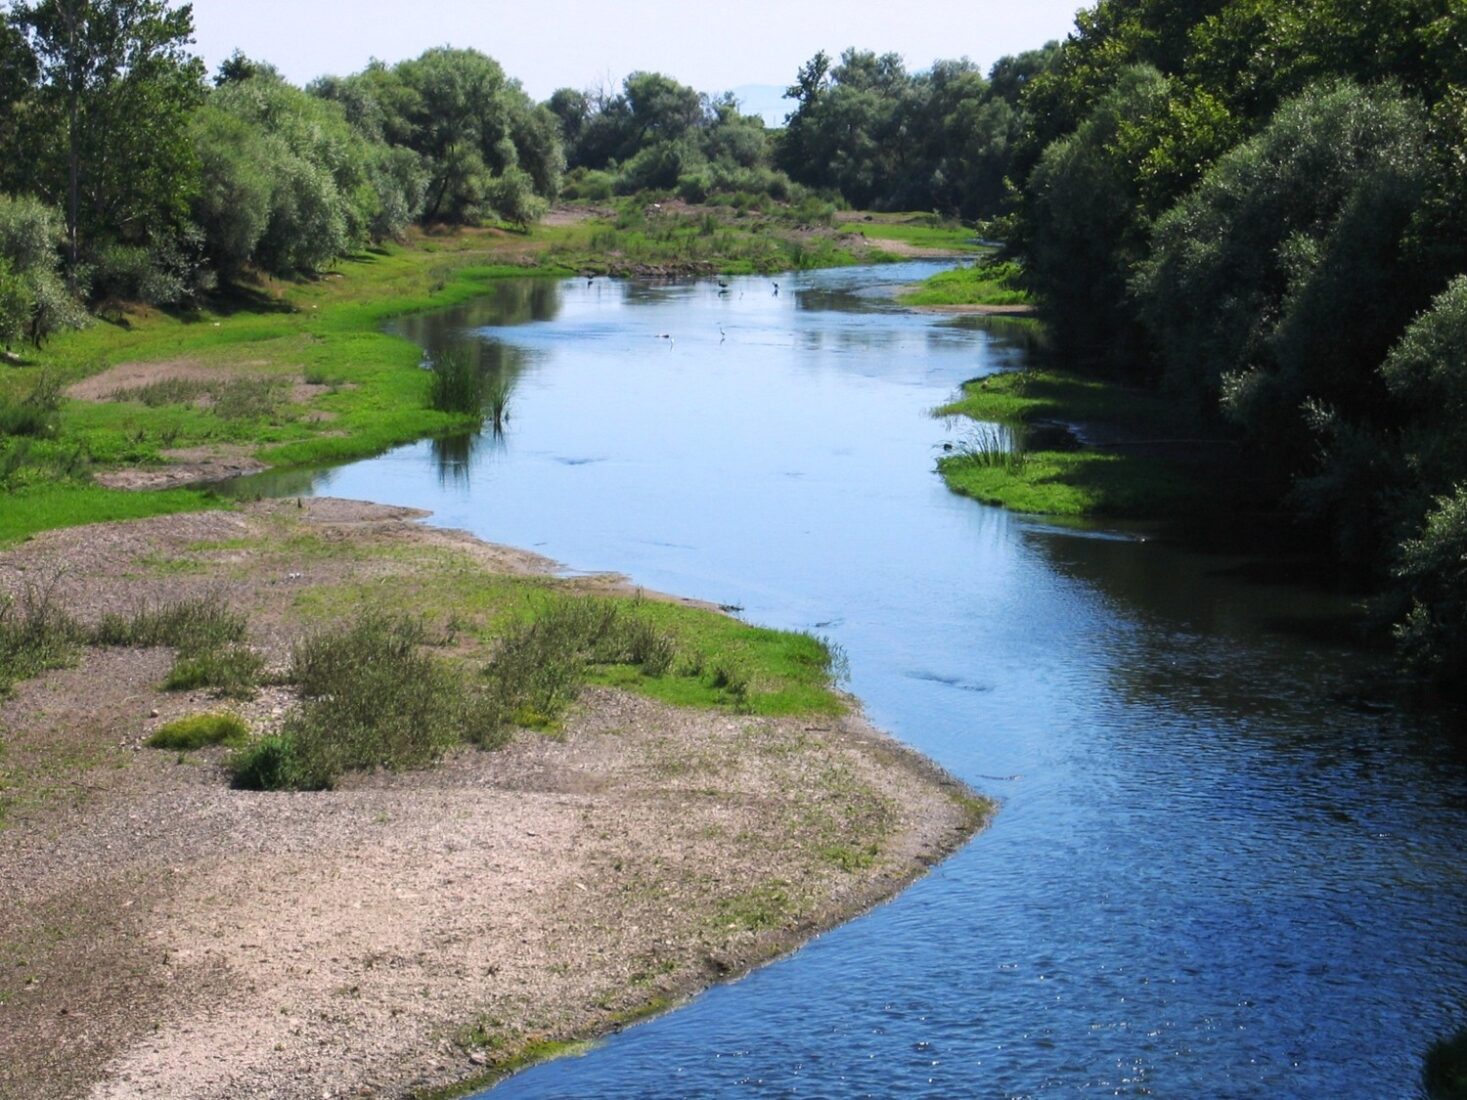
point(199, 730)
point(232, 670)
point(206, 635)
point(190, 626)
point(35, 634)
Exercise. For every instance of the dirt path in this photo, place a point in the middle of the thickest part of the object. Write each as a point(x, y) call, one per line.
point(163, 935)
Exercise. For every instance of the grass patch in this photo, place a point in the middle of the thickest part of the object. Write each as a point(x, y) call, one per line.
point(920, 230)
point(37, 508)
point(206, 634)
point(1074, 483)
point(1084, 482)
point(198, 731)
point(232, 671)
point(35, 635)
point(1022, 396)
point(762, 908)
point(987, 284)
point(191, 626)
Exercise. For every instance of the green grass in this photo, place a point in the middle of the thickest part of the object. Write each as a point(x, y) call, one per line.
point(199, 731)
point(987, 284)
point(37, 508)
point(191, 626)
point(1074, 483)
point(922, 230)
point(1087, 482)
point(231, 670)
point(1016, 397)
point(36, 634)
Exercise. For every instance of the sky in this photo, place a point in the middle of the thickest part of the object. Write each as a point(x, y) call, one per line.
point(712, 45)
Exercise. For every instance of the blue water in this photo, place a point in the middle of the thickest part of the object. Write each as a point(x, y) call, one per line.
point(1214, 873)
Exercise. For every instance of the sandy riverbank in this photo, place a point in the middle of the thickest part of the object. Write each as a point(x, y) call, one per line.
point(163, 935)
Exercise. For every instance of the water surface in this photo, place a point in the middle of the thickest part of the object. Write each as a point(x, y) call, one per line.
point(1216, 871)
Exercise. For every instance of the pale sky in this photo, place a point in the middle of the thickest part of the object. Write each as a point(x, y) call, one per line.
point(712, 45)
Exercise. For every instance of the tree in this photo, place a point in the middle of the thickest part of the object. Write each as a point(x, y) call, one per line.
point(117, 85)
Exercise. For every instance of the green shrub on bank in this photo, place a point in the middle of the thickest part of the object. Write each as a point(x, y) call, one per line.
point(538, 668)
point(371, 699)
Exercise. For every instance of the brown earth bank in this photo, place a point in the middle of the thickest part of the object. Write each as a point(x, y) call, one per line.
point(165, 935)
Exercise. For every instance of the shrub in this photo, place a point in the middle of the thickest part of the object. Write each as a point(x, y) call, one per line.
point(270, 764)
point(538, 668)
point(191, 626)
point(372, 699)
point(199, 730)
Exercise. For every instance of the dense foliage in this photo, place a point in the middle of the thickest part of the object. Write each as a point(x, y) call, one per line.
point(161, 182)
point(1258, 206)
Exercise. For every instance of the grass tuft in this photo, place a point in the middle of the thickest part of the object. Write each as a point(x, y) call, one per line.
point(457, 385)
point(198, 731)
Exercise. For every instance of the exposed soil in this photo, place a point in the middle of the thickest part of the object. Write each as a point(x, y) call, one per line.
point(163, 935)
point(186, 466)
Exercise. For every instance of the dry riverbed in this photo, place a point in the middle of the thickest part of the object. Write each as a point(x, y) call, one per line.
point(164, 935)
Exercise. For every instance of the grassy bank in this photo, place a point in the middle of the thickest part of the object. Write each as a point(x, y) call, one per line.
point(1127, 478)
point(978, 284)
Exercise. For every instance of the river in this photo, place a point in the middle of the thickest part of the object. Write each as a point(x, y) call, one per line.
point(1216, 870)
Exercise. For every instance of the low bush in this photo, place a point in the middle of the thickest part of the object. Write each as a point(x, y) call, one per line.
point(191, 626)
point(198, 731)
point(539, 667)
point(372, 699)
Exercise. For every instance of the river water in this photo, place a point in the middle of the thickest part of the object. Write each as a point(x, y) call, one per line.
point(1217, 871)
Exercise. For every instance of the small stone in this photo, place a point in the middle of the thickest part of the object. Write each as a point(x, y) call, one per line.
point(153, 713)
point(479, 1058)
